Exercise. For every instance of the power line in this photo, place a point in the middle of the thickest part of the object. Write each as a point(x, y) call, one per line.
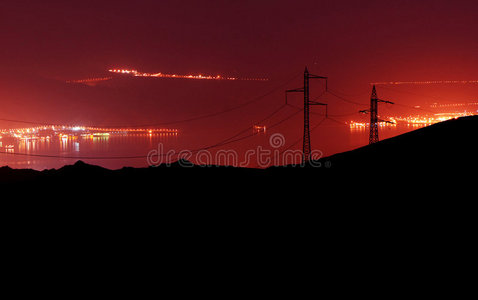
point(196, 118)
point(337, 121)
point(73, 157)
point(335, 115)
point(419, 94)
point(409, 106)
point(27, 122)
point(320, 114)
point(346, 100)
point(227, 141)
point(399, 104)
point(413, 107)
point(349, 95)
point(300, 139)
point(261, 121)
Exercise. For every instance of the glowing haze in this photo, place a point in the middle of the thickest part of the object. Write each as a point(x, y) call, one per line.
point(55, 56)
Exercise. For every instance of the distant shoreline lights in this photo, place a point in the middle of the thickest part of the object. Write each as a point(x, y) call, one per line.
point(136, 73)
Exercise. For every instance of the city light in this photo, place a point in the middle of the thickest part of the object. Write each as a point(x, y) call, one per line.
point(136, 73)
point(256, 129)
point(89, 81)
point(413, 120)
point(425, 82)
point(437, 105)
point(66, 133)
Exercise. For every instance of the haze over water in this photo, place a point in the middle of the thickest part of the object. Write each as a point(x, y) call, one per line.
point(329, 139)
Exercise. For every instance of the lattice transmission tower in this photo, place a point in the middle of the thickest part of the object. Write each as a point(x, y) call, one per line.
point(374, 120)
point(306, 144)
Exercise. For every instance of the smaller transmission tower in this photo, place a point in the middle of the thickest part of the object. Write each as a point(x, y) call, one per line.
point(373, 138)
point(374, 120)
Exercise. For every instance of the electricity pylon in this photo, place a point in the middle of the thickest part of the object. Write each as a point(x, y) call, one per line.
point(374, 120)
point(306, 145)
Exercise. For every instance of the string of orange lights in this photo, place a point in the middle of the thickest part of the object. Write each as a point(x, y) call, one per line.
point(425, 82)
point(89, 80)
point(136, 73)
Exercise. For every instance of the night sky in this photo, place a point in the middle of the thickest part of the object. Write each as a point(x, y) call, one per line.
point(45, 43)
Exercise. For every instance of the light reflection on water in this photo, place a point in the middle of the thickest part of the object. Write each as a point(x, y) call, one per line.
point(329, 140)
point(80, 147)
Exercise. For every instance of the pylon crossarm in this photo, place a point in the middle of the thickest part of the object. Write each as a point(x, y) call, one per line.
point(321, 77)
point(299, 90)
point(385, 101)
point(316, 103)
point(385, 121)
point(317, 76)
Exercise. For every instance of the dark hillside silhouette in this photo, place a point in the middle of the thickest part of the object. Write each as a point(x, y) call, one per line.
point(446, 146)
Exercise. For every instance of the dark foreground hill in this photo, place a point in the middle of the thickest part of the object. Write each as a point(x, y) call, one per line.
point(449, 148)
point(398, 204)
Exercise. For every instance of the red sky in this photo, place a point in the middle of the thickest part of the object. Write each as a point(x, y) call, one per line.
point(44, 43)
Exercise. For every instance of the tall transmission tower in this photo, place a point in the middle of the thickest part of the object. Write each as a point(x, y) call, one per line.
point(374, 120)
point(306, 145)
point(373, 137)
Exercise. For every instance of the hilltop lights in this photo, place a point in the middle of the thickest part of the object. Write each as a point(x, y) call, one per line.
point(135, 73)
point(161, 75)
point(89, 80)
